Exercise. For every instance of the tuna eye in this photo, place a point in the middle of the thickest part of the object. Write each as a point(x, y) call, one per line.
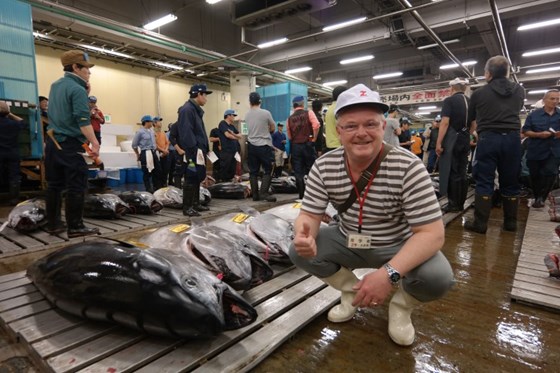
point(190, 282)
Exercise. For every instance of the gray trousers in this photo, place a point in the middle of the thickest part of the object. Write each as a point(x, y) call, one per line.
point(427, 282)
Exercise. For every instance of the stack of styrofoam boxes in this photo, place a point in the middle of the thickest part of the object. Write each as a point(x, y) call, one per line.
point(114, 156)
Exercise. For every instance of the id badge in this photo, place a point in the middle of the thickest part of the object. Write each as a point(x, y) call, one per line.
point(358, 241)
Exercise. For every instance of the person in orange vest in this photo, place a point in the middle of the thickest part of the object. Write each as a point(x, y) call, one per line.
point(416, 146)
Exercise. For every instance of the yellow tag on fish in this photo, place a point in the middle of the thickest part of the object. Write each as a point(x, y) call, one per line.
point(138, 244)
point(296, 205)
point(240, 218)
point(179, 228)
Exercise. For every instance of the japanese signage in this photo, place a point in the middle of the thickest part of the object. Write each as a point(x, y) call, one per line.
point(417, 97)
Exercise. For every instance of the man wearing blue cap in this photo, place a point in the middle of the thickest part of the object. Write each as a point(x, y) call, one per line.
point(390, 219)
point(229, 138)
point(302, 130)
point(145, 140)
point(192, 146)
point(96, 117)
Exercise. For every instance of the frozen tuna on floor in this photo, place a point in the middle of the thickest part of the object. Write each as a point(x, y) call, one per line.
point(229, 190)
point(105, 206)
point(141, 202)
point(27, 216)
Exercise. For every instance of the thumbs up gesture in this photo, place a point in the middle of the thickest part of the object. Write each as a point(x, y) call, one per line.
point(304, 241)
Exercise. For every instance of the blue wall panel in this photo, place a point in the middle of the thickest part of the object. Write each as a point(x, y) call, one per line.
point(18, 73)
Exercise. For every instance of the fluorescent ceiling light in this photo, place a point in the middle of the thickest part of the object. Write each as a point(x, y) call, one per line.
point(426, 107)
point(422, 113)
point(272, 43)
point(344, 24)
point(108, 51)
point(437, 45)
point(298, 70)
point(201, 74)
point(539, 24)
point(160, 22)
point(168, 65)
point(388, 75)
point(213, 1)
point(335, 82)
point(454, 65)
point(357, 59)
point(540, 52)
point(39, 35)
point(537, 92)
point(189, 71)
point(542, 70)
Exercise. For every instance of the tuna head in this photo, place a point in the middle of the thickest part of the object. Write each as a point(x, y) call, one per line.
point(153, 291)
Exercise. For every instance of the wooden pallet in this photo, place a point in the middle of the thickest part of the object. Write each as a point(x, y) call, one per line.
point(58, 342)
point(531, 283)
point(13, 243)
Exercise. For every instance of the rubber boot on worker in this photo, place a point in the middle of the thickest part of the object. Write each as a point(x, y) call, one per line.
point(54, 221)
point(401, 306)
point(188, 198)
point(196, 200)
point(510, 205)
point(264, 194)
point(482, 208)
point(74, 208)
point(343, 280)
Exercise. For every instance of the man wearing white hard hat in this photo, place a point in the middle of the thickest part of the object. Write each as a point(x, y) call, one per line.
point(453, 146)
point(390, 219)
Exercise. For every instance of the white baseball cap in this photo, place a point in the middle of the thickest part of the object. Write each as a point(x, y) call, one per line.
point(458, 81)
point(359, 95)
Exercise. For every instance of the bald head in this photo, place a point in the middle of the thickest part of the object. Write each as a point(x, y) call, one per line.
point(4, 108)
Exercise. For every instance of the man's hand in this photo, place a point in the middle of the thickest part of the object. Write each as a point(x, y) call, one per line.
point(372, 290)
point(95, 149)
point(304, 242)
point(439, 150)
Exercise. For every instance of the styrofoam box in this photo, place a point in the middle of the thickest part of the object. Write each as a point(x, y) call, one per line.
point(119, 159)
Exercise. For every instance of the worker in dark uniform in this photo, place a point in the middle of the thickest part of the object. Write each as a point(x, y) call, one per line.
point(405, 138)
point(65, 167)
point(453, 145)
point(192, 146)
point(10, 127)
point(494, 114)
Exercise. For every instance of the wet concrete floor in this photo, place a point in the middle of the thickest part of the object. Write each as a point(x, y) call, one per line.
point(475, 328)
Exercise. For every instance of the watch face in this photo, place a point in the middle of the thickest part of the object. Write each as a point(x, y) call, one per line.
point(395, 277)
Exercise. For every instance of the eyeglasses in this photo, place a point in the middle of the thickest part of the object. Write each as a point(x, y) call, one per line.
point(369, 126)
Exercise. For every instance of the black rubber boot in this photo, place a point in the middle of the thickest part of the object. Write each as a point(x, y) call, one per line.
point(482, 207)
point(265, 187)
point(188, 198)
point(300, 186)
point(497, 199)
point(54, 221)
point(196, 200)
point(254, 181)
point(14, 194)
point(74, 216)
point(510, 205)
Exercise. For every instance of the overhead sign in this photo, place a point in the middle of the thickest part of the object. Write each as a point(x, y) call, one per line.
point(417, 97)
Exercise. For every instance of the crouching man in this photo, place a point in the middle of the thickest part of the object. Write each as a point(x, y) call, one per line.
point(390, 219)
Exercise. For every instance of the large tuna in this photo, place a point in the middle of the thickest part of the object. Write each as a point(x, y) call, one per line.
point(229, 190)
point(27, 216)
point(141, 202)
point(105, 206)
point(156, 290)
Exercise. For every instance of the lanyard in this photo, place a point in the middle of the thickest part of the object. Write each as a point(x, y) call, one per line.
point(362, 201)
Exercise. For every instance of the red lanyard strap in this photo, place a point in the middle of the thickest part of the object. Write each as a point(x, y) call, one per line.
point(366, 179)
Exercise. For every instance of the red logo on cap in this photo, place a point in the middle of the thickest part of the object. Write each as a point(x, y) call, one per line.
point(363, 93)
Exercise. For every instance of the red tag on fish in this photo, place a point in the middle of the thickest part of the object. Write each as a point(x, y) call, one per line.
point(220, 276)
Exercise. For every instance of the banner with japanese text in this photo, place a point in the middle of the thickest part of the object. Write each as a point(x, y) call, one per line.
point(417, 97)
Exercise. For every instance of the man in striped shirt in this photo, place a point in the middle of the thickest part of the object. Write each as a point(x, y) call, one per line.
point(394, 224)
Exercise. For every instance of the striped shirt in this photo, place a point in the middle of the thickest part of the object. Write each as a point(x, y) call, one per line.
point(400, 196)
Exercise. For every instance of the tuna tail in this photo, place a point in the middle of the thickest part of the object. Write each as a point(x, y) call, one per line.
point(3, 226)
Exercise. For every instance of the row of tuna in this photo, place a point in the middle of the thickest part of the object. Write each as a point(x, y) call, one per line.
point(184, 284)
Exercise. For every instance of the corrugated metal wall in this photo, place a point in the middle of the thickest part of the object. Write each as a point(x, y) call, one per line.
point(18, 74)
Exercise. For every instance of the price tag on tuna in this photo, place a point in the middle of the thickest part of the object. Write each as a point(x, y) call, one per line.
point(179, 228)
point(296, 205)
point(239, 218)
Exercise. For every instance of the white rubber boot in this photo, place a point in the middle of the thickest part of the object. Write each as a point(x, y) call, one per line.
point(401, 329)
point(342, 280)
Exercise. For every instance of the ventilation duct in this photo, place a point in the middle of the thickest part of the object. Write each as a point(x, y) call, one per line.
point(254, 15)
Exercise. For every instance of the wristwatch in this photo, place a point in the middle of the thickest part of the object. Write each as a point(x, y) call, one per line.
point(394, 275)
